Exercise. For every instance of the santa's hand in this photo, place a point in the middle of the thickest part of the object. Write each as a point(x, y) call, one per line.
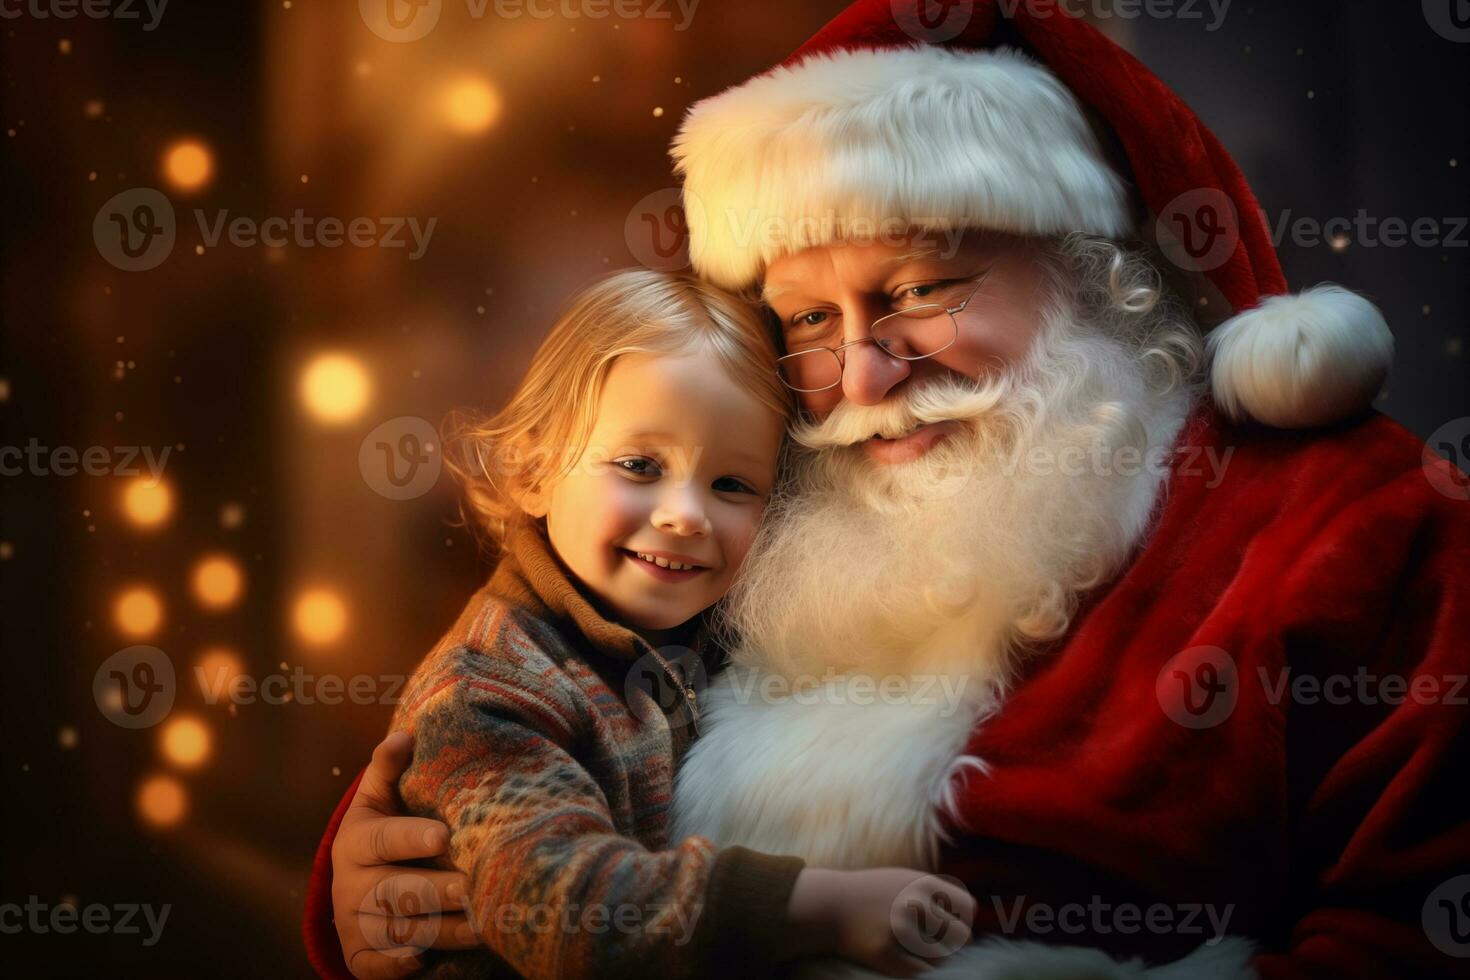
point(387, 914)
point(897, 921)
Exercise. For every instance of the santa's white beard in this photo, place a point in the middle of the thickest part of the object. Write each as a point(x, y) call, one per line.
point(951, 562)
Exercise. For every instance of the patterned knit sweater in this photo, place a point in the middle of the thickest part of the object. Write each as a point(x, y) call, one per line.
point(555, 775)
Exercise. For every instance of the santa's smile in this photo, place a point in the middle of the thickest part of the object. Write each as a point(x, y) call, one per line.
point(909, 446)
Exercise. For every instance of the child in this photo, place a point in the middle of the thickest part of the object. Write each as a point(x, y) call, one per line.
point(623, 483)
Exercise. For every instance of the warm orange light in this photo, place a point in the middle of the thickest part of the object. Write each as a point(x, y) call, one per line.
point(185, 742)
point(335, 388)
point(148, 502)
point(162, 801)
point(472, 105)
point(138, 612)
point(216, 672)
point(218, 582)
point(188, 165)
point(321, 617)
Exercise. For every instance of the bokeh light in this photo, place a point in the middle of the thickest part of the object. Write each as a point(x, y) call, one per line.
point(147, 502)
point(185, 742)
point(320, 617)
point(335, 388)
point(162, 801)
point(188, 165)
point(216, 671)
point(138, 612)
point(472, 105)
point(218, 582)
point(231, 516)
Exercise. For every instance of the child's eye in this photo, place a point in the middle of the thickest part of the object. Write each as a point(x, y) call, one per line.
point(729, 484)
point(638, 466)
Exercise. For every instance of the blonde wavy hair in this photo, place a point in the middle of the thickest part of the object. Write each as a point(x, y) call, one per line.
point(543, 429)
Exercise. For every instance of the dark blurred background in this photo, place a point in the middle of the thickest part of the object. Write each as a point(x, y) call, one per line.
point(275, 546)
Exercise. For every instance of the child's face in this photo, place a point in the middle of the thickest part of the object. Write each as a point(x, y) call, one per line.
point(679, 466)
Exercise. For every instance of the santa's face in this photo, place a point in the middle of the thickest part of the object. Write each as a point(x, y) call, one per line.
point(1074, 362)
point(830, 295)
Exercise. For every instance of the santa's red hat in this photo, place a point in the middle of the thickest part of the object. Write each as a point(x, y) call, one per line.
point(949, 116)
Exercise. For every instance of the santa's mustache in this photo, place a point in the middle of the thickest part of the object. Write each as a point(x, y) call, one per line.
point(951, 398)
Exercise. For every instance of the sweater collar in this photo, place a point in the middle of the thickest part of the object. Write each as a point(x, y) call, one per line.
point(531, 575)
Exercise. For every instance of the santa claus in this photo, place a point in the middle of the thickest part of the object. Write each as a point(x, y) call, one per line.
point(1079, 498)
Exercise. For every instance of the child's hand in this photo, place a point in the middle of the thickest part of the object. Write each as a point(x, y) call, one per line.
point(897, 921)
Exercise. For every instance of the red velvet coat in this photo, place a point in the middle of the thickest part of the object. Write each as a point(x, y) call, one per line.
point(1266, 715)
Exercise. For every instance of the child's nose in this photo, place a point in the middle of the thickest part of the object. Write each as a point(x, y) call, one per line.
point(679, 512)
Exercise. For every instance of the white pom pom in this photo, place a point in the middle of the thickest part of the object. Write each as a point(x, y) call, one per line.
point(1300, 361)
